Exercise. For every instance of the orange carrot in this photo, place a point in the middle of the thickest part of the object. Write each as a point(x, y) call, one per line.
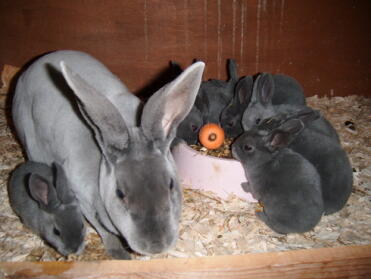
point(211, 136)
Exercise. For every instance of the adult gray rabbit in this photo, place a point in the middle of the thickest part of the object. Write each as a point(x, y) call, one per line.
point(262, 106)
point(286, 91)
point(215, 95)
point(70, 109)
point(42, 198)
point(285, 182)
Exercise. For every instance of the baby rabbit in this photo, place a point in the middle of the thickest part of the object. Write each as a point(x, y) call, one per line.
point(330, 160)
point(287, 91)
point(262, 106)
point(212, 97)
point(319, 143)
point(285, 183)
point(216, 94)
point(41, 197)
point(189, 128)
point(231, 116)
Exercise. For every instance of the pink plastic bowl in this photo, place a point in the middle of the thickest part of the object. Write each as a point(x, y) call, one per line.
point(219, 175)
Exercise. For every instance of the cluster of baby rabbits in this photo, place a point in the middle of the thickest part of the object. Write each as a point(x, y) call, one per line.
point(293, 160)
point(224, 102)
point(292, 157)
point(95, 152)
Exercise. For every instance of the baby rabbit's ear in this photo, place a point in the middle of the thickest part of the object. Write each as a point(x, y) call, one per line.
point(43, 192)
point(263, 89)
point(232, 71)
point(244, 90)
point(285, 134)
point(102, 116)
point(168, 107)
point(308, 115)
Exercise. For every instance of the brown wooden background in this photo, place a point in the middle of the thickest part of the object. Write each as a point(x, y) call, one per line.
point(326, 44)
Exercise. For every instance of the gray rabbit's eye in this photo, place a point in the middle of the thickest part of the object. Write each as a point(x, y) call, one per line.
point(194, 128)
point(120, 194)
point(247, 148)
point(56, 231)
point(230, 123)
point(171, 184)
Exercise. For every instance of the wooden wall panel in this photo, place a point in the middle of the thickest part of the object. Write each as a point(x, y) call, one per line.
point(324, 44)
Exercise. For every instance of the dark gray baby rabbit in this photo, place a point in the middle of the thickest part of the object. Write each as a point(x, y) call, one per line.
point(286, 91)
point(216, 94)
point(189, 128)
point(330, 160)
point(231, 116)
point(41, 197)
point(285, 183)
point(212, 97)
point(263, 106)
point(319, 143)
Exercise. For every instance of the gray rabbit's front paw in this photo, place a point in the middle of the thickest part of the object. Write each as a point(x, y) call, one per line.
point(115, 248)
point(121, 254)
point(246, 186)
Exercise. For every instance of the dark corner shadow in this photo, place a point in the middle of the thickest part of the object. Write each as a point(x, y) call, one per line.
point(165, 76)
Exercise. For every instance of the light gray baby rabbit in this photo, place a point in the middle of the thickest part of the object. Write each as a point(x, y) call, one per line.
point(285, 183)
point(42, 198)
point(286, 91)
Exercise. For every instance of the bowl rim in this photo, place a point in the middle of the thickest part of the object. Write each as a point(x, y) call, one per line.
point(195, 152)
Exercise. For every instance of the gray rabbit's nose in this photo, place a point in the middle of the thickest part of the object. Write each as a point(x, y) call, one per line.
point(75, 250)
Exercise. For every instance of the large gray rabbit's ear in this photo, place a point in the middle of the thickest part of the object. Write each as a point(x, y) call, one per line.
point(102, 116)
point(243, 91)
point(284, 134)
point(167, 108)
point(62, 186)
point(263, 89)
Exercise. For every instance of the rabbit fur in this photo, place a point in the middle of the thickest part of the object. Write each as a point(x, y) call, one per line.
point(42, 198)
point(70, 109)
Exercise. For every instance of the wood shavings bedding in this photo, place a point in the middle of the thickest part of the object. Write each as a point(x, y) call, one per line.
point(211, 226)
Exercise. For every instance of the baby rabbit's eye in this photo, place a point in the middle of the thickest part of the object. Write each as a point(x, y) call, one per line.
point(194, 128)
point(120, 194)
point(257, 121)
point(247, 148)
point(56, 232)
point(230, 124)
